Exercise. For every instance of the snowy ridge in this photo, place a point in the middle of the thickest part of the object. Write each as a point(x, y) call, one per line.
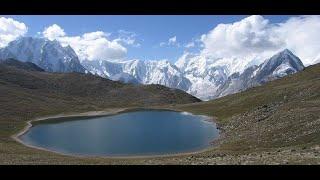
point(279, 65)
point(205, 78)
point(145, 72)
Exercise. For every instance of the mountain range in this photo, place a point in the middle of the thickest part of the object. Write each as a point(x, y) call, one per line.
point(205, 78)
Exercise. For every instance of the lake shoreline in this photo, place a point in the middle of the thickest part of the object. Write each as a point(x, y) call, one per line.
point(108, 112)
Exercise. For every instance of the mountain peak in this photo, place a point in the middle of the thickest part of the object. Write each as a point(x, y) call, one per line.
point(284, 56)
point(279, 65)
point(49, 55)
point(286, 51)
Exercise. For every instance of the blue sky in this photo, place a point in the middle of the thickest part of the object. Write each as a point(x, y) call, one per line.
point(150, 30)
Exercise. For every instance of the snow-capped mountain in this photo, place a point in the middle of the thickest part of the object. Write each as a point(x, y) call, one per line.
point(207, 74)
point(279, 65)
point(137, 71)
point(202, 76)
point(49, 55)
point(216, 77)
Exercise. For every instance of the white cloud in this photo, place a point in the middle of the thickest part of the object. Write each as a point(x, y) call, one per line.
point(53, 32)
point(256, 38)
point(301, 35)
point(128, 38)
point(189, 45)
point(10, 30)
point(162, 44)
point(171, 42)
point(253, 34)
point(89, 46)
point(94, 35)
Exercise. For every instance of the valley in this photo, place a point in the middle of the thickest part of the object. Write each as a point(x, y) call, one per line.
point(275, 123)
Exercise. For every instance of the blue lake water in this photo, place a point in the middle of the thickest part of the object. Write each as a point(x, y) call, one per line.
point(147, 132)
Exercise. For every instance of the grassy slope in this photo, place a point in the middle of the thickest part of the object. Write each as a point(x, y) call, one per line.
point(275, 123)
point(281, 115)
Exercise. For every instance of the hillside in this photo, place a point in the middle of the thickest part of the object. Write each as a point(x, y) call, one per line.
point(21, 65)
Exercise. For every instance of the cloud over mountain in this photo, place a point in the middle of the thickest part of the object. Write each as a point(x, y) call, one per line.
point(255, 37)
point(301, 35)
point(253, 34)
point(10, 30)
point(53, 32)
point(89, 46)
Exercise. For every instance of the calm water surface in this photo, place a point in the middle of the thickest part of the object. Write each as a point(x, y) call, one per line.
point(148, 132)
